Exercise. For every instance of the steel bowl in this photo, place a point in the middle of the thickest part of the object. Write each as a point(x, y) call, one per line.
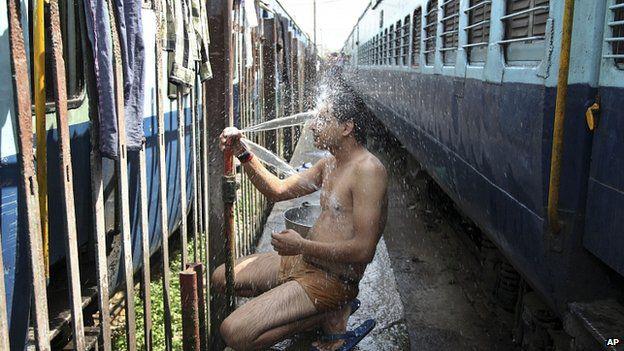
point(301, 219)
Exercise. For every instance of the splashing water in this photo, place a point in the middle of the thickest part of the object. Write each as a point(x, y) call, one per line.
point(282, 122)
point(268, 158)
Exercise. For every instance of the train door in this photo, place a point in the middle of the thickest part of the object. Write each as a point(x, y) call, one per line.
point(605, 202)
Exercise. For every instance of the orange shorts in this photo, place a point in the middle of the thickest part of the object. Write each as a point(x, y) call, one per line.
point(327, 291)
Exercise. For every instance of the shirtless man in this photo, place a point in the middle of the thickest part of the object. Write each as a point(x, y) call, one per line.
point(309, 282)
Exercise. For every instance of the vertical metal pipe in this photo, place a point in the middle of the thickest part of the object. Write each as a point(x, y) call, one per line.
point(182, 163)
point(558, 128)
point(145, 249)
point(193, 152)
point(99, 229)
point(162, 175)
point(190, 310)
point(40, 115)
point(66, 175)
point(229, 233)
point(27, 186)
point(201, 303)
point(4, 317)
point(122, 183)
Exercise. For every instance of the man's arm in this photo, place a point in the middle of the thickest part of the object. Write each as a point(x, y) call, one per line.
point(269, 185)
point(369, 218)
point(298, 184)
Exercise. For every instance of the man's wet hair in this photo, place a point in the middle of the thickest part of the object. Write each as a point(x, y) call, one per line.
point(346, 106)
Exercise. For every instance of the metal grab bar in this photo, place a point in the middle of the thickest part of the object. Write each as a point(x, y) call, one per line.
point(524, 12)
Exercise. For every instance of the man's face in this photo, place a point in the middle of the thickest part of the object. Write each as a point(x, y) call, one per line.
point(326, 129)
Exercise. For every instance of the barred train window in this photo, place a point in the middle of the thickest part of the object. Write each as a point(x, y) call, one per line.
point(478, 30)
point(617, 39)
point(431, 30)
point(405, 41)
point(385, 58)
point(72, 55)
point(416, 36)
point(391, 45)
point(450, 25)
point(397, 44)
point(525, 29)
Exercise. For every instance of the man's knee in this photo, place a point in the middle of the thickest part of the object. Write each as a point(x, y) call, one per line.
point(218, 278)
point(236, 334)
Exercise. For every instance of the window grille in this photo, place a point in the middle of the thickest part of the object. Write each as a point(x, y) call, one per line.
point(478, 30)
point(525, 30)
point(405, 33)
point(450, 25)
point(378, 49)
point(431, 29)
point(416, 36)
point(391, 45)
point(617, 32)
point(396, 55)
point(385, 59)
point(72, 54)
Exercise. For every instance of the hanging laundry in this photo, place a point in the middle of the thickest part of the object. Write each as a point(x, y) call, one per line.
point(200, 24)
point(251, 16)
point(99, 33)
point(182, 70)
point(285, 41)
point(133, 57)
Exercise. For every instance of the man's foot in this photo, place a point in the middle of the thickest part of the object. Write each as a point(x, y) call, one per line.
point(346, 341)
point(327, 345)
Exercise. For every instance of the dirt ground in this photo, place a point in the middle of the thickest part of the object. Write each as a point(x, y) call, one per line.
point(436, 265)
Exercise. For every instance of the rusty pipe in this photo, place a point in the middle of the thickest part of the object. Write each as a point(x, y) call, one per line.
point(190, 310)
point(557, 144)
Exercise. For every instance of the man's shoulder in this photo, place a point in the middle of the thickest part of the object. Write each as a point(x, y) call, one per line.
point(370, 165)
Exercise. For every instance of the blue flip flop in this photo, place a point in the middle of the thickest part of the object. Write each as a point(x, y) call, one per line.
point(355, 305)
point(351, 338)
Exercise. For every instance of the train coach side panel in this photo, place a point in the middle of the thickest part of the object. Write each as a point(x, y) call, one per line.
point(488, 146)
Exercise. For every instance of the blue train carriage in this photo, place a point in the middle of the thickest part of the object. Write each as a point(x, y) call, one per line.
point(469, 87)
point(80, 87)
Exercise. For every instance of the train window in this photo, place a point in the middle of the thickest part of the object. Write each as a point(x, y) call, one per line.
point(72, 55)
point(617, 32)
point(431, 30)
point(405, 41)
point(478, 30)
point(384, 58)
point(450, 25)
point(525, 30)
point(416, 36)
point(378, 50)
point(391, 45)
point(397, 43)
